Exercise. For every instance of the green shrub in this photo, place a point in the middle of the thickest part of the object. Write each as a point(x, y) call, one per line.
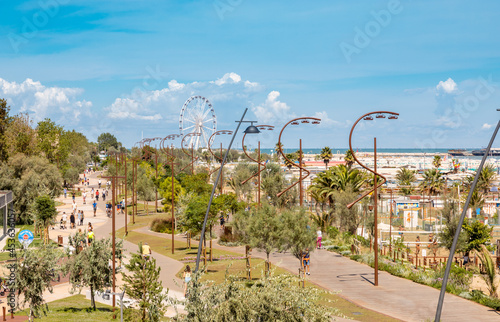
point(332, 232)
point(162, 225)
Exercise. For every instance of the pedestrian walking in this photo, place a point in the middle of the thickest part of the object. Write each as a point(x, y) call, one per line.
point(99, 184)
point(187, 278)
point(64, 219)
point(83, 218)
point(319, 238)
point(65, 193)
point(104, 195)
point(72, 220)
point(92, 193)
point(306, 261)
point(94, 205)
point(84, 195)
point(90, 236)
point(75, 207)
point(97, 195)
point(73, 195)
point(80, 220)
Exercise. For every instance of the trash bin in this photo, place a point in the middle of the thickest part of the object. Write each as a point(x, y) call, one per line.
point(60, 240)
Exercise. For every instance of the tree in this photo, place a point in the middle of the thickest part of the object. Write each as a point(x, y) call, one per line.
point(45, 214)
point(322, 218)
point(436, 162)
point(262, 229)
point(297, 232)
point(29, 178)
point(240, 173)
point(35, 271)
point(326, 155)
point(107, 140)
point(90, 268)
point(450, 219)
point(478, 234)
point(490, 276)
point(51, 142)
point(166, 192)
point(277, 298)
point(476, 202)
point(4, 115)
point(20, 136)
point(486, 178)
point(405, 179)
point(290, 159)
point(349, 158)
point(433, 181)
point(347, 219)
point(338, 178)
point(144, 285)
point(273, 181)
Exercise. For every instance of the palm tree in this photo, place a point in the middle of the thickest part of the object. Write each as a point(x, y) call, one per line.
point(405, 178)
point(292, 157)
point(338, 178)
point(436, 162)
point(490, 278)
point(326, 155)
point(476, 202)
point(433, 181)
point(486, 178)
point(349, 159)
point(278, 147)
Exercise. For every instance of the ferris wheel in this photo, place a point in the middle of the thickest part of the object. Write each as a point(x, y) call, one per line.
point(198, 116)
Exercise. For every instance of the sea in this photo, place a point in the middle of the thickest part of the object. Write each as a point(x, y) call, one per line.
point(379, 150)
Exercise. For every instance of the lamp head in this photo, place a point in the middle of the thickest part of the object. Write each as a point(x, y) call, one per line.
point(252, 129)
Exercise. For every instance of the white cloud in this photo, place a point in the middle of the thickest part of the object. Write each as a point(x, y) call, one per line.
point(449, 86)
point(126, 108)
point(272, 109)
point(166, 103)
point(486, 126)
point(228, 78)
point(41, 101)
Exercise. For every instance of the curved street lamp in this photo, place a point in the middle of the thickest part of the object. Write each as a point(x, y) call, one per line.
point(156, 169)
point(184, 145)
point(369, 117)
point(250, 129)
point(303, 120)
point(171, 158)
point(210, 142)
point(259, 161)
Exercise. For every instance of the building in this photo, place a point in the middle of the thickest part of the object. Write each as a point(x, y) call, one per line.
point(5, 206)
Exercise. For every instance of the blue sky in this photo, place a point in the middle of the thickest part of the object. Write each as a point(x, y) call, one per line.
point(127, 67)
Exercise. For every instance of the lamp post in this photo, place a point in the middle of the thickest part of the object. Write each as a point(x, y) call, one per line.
point(184, 145)
point(156, 171)
point(171, 157)
point(259, 161)
point(369, 117)
point(210, 142)
point(460, 223)
point(251, 129)
point(303, 120)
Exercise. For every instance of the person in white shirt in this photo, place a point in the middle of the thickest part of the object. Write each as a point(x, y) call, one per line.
point(74, 207)
point(84, 195)
point(318, 240)
point(64, 219)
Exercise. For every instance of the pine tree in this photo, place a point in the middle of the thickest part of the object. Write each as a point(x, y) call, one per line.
point(144, 285)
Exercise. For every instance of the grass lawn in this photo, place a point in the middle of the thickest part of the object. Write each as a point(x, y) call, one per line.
point(217, 270)
point(77, 308)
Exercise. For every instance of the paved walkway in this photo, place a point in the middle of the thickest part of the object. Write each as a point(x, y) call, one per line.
point(102, 228)
point(396, 297)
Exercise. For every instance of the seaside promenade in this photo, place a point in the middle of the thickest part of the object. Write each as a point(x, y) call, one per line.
point(396, 297)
